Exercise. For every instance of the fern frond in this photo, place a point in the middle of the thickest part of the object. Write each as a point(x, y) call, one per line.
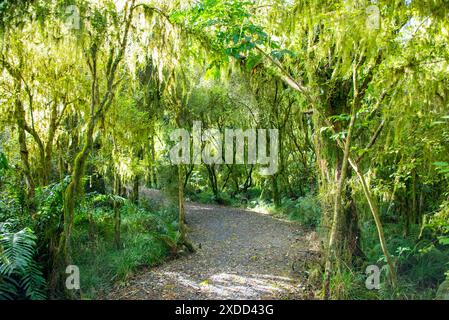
point(17, 251)
point(33, 282)
point(8, 288)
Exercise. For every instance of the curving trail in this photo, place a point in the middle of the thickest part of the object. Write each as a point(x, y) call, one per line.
point(240, 255)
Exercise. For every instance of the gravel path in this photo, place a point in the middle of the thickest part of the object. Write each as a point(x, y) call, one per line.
point(240, 255)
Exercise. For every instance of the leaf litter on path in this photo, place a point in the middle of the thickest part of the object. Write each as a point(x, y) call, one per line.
point(240, 254)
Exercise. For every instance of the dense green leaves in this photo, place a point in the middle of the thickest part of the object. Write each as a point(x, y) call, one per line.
point(3, 163)
point(19, 272)
point(86, 115)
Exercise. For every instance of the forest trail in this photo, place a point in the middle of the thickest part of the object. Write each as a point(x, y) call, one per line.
point(240, 254)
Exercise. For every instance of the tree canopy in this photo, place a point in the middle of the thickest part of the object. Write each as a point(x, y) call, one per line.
point(92, 91)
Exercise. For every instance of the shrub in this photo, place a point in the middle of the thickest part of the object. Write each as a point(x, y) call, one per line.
point(306, 210)
point(144, 236)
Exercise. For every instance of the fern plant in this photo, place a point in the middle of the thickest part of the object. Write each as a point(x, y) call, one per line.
point(20, 276)
point(170, 236)
point(3, 162)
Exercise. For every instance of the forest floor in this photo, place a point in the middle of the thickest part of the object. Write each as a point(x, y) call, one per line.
point(240, 254)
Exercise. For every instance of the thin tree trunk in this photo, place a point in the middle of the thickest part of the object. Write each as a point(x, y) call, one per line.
point(64, 255)
point(24, 154)
point(48, 152)
point(153, 178)
point(337, 221)
point(275, 188)
point(135, 193)
point(117, 217)
point(376, 216)
point(183, 240)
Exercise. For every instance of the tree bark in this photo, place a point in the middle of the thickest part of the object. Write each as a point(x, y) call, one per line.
point(24, 154)
point(183, 240)
point(337, 221)
point(117, 217)
point(135, 193)
point(376, 216)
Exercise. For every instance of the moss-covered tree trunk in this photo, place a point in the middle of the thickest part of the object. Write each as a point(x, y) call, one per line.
point(183, 240)
point(24, 153)
point(375, 212)
point(98, 108)
point(64, 255)
point(116, 207)
point(338, 214)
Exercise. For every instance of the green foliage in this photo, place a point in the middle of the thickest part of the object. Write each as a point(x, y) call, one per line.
point(304, 67)
point(11, 197)
point(439, 224)
point(442, 167)
point(20, 276)
point(306, 210)
point(12, 11)
point(50, 201)
point(170, 236)
point(208, 197)
point(3, 163)
point(439, 227)
point(420, 262)
point(351, 285)
point(98, 200)
point(226, 18)
point(144, 238)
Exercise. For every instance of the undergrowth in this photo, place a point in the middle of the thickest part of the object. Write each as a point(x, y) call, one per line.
point(102, 265)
